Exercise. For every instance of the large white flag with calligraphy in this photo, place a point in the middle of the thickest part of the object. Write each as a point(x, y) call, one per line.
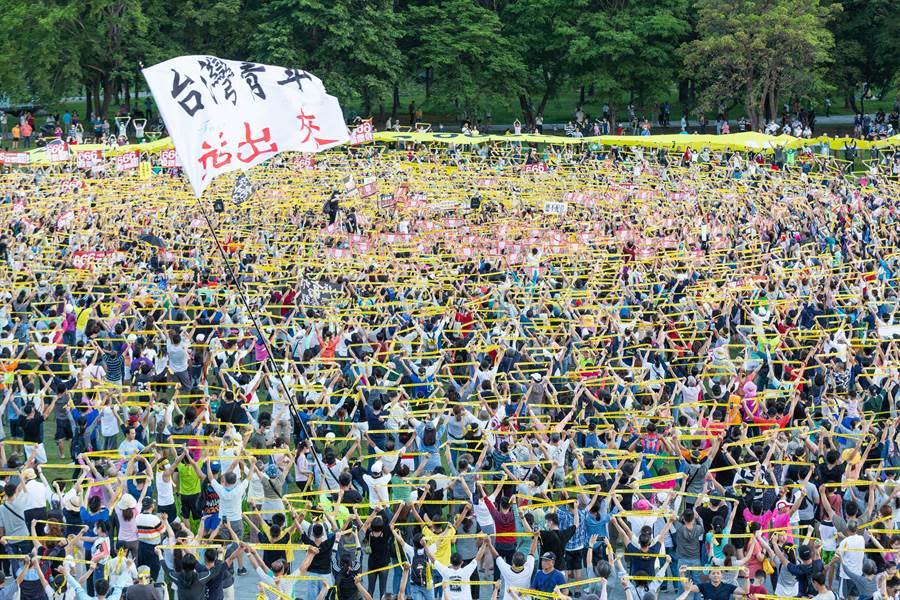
point(225, 115)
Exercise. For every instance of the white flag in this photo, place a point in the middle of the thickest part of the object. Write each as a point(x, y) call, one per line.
point(225, 115)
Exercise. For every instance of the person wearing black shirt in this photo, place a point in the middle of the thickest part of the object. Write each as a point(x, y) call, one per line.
point(215, 585)
point(715, 588)
point(716, 508)
point(382, 551)
point(30, 421)
point(317, 536)
point(553, 539)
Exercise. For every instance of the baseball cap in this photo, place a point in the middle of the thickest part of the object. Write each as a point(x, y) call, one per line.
point(548, 556)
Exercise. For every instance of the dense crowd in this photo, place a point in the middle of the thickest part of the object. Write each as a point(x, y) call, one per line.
point(633, 372)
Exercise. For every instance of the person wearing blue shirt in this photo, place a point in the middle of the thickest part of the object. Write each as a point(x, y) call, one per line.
point(548, 577)
point(429, 437)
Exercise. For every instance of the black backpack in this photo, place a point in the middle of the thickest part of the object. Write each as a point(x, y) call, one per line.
point(418, 572)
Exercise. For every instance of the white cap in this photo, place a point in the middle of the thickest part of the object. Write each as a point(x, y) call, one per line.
point(377, 467)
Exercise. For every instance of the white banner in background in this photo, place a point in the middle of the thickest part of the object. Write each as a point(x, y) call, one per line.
point(225, 115)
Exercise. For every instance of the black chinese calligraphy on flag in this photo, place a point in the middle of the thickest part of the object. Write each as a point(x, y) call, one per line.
point(225, 115)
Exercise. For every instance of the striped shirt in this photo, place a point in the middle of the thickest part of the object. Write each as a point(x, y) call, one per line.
point(149, 528)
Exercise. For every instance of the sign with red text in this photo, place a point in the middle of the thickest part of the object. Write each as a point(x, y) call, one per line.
point(168, 159)
point(128, 161)
point(57, 152)
point(88, 159)
point(14, 158)
point(225, 115)
point(363, 133)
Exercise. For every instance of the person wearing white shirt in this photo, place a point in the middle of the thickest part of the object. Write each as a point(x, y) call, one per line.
point(36, 493)
point(165, 490)
point(231, 497)
point(109, 427)
point(378, 482)
point(518, 574)
point(457, 576)
point(851, 550)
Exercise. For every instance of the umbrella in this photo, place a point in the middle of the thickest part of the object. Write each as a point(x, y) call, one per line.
point(153, 240)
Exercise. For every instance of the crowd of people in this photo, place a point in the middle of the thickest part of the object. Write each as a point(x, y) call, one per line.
point(622, 376)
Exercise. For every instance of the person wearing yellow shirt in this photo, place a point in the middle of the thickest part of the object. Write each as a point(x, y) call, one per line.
point(441, 540)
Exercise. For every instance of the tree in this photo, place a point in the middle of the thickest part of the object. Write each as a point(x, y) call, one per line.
point(350, 44)
point(61, 47)
point(867, 43)
point(629, 47)
point(464, 45)
point(758, 51)
point(544, 31)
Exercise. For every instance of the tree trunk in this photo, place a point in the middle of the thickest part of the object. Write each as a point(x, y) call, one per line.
point(367, 103)
point(543, 105)
point(107, 95)
point(526, 110)
point(88, 100)
point(95, 87)
point(136, 89)
point(127, 96)
point(749, 106)
point(773, 104)
point(395, 105)
point(850, 101)
point(428, 76)
point(683, 91)
point(581, 96)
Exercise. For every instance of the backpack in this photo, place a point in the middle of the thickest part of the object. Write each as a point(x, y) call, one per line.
point(418, 572)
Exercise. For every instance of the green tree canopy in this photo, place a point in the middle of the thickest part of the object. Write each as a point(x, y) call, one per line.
point(758, 52)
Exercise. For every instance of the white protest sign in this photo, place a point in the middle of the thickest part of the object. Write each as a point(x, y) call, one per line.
point(555, 208)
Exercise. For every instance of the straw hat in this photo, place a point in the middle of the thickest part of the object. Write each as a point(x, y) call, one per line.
point(72, 502)
point(127, 501)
